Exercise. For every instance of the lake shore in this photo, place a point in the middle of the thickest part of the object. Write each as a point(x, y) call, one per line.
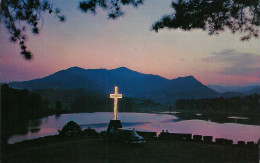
point(83, 149)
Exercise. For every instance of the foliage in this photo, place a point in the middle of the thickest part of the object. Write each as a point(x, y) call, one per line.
point(18, 15)
point(58, 105)
point(248, 104)
point(65, 96)
point(90, 132)
point(214, 16)
point(20, 106)
point(113, 7)
point(90, 103)
point(71, 129)
point(17, 108)
point(94, 103)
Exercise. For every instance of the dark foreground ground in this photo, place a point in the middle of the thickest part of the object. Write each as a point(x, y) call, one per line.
point(94, 150)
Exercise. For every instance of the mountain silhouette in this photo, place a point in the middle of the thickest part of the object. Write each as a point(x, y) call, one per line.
point(130, 83)
point(242, 90)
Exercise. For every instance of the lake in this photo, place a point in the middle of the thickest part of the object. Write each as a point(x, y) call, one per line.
point(175, 122)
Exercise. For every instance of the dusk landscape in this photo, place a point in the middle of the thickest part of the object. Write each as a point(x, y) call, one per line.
point(130, 81)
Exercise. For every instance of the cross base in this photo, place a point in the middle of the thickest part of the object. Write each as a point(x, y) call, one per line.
point(114, 125)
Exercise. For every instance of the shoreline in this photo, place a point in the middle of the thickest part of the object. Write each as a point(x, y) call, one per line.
point(181, 117)
point(96, 149)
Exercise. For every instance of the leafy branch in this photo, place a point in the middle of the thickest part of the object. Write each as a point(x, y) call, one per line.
point(113, 7)
point(20, 14)
point(214, 16)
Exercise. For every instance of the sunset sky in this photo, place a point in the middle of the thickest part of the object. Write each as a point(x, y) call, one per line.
point(94, 42)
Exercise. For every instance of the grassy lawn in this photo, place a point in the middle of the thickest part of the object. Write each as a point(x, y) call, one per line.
point(54, 149)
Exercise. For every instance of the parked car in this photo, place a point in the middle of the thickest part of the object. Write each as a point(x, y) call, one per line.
point(129, 136)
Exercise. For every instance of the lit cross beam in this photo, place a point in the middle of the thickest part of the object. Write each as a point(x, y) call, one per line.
point(115, 97)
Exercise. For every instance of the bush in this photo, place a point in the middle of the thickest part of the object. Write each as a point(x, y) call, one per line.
point(90, 132)
point(70, 129)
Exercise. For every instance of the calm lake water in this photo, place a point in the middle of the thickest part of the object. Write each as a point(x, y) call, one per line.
point(171, 121)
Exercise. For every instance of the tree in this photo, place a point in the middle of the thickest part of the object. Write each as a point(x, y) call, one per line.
point(213, 16)
point(58, 105)
point(70, 129)
point(20, 14)
point(113, 7)
point(90, 132)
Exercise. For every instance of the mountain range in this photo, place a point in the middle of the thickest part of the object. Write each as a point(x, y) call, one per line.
point(130, 83)
point(133, 84)
point(246, 90)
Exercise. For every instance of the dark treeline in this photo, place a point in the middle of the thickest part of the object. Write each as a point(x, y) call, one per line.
point(96, 103)
point(81, 100)
point(246, 105)
point(20, 106)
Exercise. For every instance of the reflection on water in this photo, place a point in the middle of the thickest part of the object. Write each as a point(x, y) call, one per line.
point(169, 112)
point(233, 117)
point(218, 118)
point(34, 123)
point(34, 130)
point(104, 125)
point(175, 123)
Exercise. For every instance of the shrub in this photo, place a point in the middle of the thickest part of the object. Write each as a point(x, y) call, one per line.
point(90, 132)
point(71, 129)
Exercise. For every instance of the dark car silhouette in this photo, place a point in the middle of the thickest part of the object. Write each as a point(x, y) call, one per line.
point(129, 136)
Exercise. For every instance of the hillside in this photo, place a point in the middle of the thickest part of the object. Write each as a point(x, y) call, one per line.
point(130, 83)
point(246, 90)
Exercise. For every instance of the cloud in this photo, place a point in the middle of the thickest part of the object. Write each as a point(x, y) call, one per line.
point(239, 64)
point(182, 59)
point(250, 72)
point(225, 52)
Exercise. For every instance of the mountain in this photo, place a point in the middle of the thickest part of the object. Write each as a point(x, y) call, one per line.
point(232, 94)
point(247, 90)
point(220, 89)
point(253, 91)
point(130, 83)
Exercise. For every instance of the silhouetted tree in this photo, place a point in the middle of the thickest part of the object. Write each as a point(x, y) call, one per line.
point(70, 129)
point(58, 105)
point(113, 7)
point(90, 132)
point(214, 16)
point(19, 106)
point(19, 14)
point(248, 104)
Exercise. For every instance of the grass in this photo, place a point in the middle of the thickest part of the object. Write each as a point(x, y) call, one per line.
point(55, 149)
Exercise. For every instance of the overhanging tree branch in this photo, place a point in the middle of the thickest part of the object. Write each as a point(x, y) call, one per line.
point(214, 16)
point(113, 7)
point(19, 14)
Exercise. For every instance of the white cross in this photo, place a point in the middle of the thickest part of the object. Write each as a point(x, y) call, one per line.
point(115, 97)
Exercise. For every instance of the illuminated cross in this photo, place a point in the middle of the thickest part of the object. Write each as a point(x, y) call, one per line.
point(115, 97)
